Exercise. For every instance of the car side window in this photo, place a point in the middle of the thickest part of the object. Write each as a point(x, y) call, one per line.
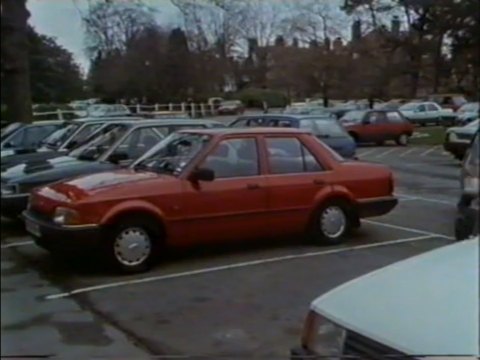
point(234, 158)
point(377, 117)
point(16, 139)
point(35, 134)
point(394, 117)
point(139, 142)
point(289, 156)
point(432, 107)
point(421, 108)
point(240, 123)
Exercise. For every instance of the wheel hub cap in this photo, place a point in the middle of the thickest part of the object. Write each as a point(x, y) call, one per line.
point(132, 246)
point(333, 221)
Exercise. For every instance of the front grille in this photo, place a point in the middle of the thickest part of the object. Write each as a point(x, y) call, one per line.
point(360, 347)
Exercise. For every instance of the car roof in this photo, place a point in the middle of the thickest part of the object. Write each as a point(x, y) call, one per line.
point(48, 122)
point(425, 305)
point(247, 130)
point(170, 122)
point(285, 116)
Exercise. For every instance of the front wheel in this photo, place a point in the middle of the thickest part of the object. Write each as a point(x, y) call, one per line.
point(332, 223)
point(132, 245)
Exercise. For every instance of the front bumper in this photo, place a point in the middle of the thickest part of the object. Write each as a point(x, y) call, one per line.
point(66, 239)
point(376, 207)
point(13, 205)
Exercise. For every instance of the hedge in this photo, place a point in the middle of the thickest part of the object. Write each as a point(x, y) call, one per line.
point(255, 97)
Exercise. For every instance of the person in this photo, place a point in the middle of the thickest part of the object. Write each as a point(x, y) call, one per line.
point(265, 107)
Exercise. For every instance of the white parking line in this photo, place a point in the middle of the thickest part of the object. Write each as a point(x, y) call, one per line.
point(408, 152)
point(414, 197)
point(367, 152)
point(17, 244)
point(385, 153)
point(425, 153)
point(398, 227)
point(238, 265)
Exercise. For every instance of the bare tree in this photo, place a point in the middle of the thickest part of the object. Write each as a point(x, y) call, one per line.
point(15, 69)
point(111, 26)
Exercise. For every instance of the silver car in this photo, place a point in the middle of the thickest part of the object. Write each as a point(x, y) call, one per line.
point(425, 307)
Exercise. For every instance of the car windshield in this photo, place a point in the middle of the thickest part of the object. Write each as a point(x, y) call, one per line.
point(470, 107)
point(323, 127)
point(60, 136)
point(94, 150)
point(172, 154)
point(474, 124)
point(10, 128)
point(408, 107)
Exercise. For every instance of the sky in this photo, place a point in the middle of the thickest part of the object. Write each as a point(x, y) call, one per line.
point(61, 19)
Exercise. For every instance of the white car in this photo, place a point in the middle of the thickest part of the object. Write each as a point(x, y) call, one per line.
point(110, 110)
point(423, 113)
point(425, 307)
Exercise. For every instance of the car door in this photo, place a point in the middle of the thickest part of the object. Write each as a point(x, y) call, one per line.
point(396, 124)
point(421, 114)
point(294, 178)
point(433, 112)
point(373, 126)
point(233, 205)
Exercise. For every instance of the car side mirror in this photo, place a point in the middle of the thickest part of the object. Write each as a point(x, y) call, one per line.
point(118, 158)
point(202, 174)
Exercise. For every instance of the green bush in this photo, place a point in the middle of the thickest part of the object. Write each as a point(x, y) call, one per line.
point(255, 97)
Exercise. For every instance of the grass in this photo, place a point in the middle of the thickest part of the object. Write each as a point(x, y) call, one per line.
point(432, 135)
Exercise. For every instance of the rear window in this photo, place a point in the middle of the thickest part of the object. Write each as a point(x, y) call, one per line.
point(354, 115)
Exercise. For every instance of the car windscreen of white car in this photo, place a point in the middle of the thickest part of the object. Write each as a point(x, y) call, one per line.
point(474, 124)
point(408, 107)
point(469, 107)
point(354, 116)
point(60, 136)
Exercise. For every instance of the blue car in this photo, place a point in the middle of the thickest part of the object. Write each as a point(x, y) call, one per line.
point(325, 128)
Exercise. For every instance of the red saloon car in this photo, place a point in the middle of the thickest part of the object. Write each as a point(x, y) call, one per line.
point(378, 126)
point(207, 186)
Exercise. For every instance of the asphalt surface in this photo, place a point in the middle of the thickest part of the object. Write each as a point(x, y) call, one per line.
point(229, 301)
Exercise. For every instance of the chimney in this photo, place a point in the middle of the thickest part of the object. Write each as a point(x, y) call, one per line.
point(356, 30)
point(396, 25)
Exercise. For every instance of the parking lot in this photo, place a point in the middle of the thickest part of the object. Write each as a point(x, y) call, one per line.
point(232, 301)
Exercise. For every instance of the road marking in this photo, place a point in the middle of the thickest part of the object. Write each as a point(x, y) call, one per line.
point(17, 244)
point(413, 197)
point(386, 152)
point(236, 266)
point(425, 153)
point(407, 152)
point(397, 227)
point(367, 152)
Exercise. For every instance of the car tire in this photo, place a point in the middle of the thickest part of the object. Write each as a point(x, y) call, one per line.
point(144, 234)
point(332, 223)
point(402, 140)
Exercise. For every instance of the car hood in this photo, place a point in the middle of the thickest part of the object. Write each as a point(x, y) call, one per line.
point(50, 170)
point(470, 130)
point(107, 182)
point(30, 158)
point(425, 305)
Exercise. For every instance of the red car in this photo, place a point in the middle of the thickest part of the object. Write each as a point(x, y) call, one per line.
point(207, 186)
point(378, 126)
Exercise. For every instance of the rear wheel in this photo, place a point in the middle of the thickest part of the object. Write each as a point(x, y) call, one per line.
point(402, 140)
point(332, 222)
point(132, 245)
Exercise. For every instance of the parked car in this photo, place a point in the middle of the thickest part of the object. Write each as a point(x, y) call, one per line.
point(377, 126)
point(448, 101)
point(405, 310)
point(467, 113)
point(458, 139)
point(423, 113)
point(126, 142)
point(231, 107)
point(206, 186)
point(109, 110)
point(325, 128)
point(468, 215)
point(341, 110)
point(27, 137)
point(307, 109)
point(76, 133)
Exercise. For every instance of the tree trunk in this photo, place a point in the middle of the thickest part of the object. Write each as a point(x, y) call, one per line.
point(14, 46)
point(438, 64)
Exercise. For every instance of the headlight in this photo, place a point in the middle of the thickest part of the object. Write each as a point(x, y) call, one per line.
point(471, 186)
point(9, 189)
point(322, 336)
point(452, 137)
point(65, 216)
